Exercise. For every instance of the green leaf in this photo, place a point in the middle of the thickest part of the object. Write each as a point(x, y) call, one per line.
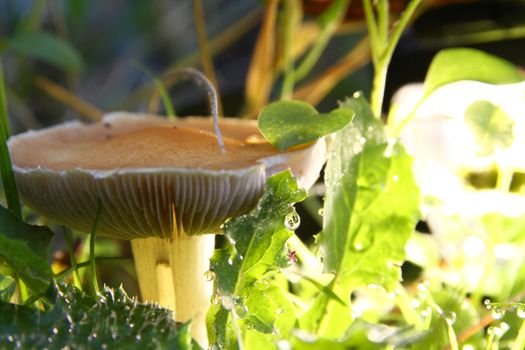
point(370, 211)
point(457, 64)
point(47, 48)
point(7, 287)
point(492, 127)
point(258, 245)
point(111, 321)
point(24, 248)
point(290, 123)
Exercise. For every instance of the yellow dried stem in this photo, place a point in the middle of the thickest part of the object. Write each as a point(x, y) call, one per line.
point(68, 98)
point(316, 90)
point(260, 74)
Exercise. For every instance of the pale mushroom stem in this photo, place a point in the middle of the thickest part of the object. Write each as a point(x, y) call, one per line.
point(172, 272)
point(201, 79)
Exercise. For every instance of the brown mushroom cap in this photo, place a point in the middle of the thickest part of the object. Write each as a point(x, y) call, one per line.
point(150, 174)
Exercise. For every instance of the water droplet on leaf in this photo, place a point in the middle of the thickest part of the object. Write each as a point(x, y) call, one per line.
point(215, 299)
point(520, 311)
point(292, 221)
point(209, 275)
point(498, 312)
point(450, 317)
point(241, 310)
point(320, 212)
point(363, 239)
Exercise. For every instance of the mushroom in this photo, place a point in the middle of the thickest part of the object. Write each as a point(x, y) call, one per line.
point(164, 185)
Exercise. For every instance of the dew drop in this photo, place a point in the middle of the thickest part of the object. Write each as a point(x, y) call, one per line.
point(320, 212)
point(292, 221)
point(426, 312)
point(498, 331)
point(209, 275)
point(520, 311)
point(415, 303)
point(487, 303)
point(215, 299)
point(280, 310)
point(422, 287)
point(262, 283)
point(498, 312)
point(364, 239)
point(55, 330)
point(450, 317)
point(241, 310)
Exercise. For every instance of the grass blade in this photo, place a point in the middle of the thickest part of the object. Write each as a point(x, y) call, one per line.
point(6, 170)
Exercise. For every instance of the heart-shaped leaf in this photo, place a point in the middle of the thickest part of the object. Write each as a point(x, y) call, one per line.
point(290, 123)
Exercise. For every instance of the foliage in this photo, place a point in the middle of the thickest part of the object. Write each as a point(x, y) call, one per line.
point(23, 248)
point(457, 64)
point(111, 320)
point(257, 246)
point(365, 227)
point(286, 124)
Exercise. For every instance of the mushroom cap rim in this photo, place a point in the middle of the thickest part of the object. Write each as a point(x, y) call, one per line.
point(137, 171)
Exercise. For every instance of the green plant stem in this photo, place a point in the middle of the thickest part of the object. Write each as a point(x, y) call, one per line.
point(383, 10)
point(6, 169)
point(410, 315)
point(519, 342)
point(382, 46)
point(237, 330)
point(371, 23)
point(490, 342)
point(92, 249)
point(327, 32)
point(452, 336)
point(378, 87)
point(288, 29)
point(72, 257)
point(166, 101)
